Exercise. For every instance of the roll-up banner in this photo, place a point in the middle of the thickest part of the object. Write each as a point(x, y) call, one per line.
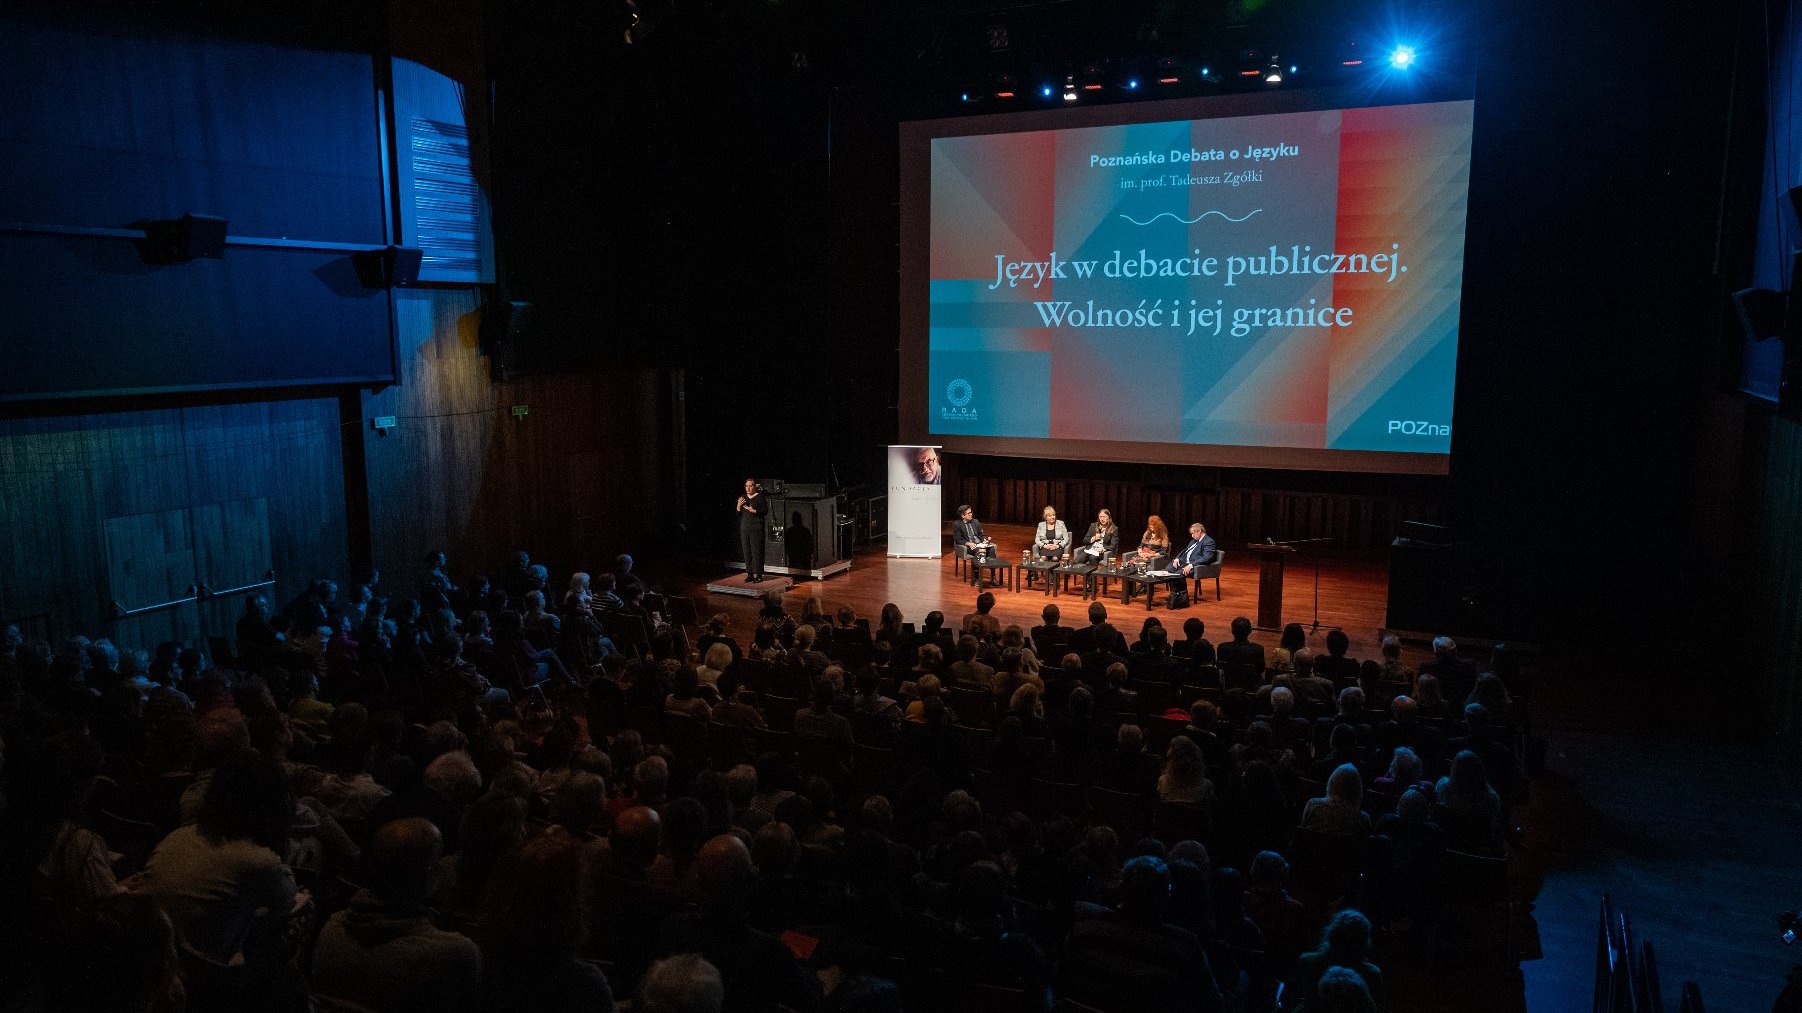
point(915, 515)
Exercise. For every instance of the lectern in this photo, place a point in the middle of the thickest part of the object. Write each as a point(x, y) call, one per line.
point(1270, 582)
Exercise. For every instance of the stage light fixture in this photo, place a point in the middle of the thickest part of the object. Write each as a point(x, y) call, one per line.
point(1070, 88)
point(1132, 84)
point(1091, 78)
point(1273, 74)
point(1169, 71)
point(1004, 86)
point(1401, 57)
point(1045, 91)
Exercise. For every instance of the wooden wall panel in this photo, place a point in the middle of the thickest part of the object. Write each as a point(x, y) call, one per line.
point(75, 491)
point(579, 479)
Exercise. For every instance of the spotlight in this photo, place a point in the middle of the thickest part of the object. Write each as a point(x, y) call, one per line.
point(1070, 88)
point(1401, 57)
point(1045, 91)
point(1132, 84)
point(1273, 74)
point(1293, 69)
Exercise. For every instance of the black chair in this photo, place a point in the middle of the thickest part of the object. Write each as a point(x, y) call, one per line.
point(1202, 573)
point(769, 740)
point(1325, 866)
point(1175, 821)
point(972, 706)
point(1057, 798)
point(780, 711)
point(686, 737)
point(872, 771)
point(1128, 813)
point(727, 745)
point(1474, 908)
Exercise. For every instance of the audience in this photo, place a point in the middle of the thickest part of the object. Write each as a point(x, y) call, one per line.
point(416, 801)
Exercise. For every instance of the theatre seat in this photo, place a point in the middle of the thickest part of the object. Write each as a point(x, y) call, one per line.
point(1202, 573)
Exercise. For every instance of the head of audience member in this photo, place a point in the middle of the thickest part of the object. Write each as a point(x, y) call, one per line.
point(1346, 939)
point(1345, 786)
point(1193, 629)
point(400, 866)
point(1144, 890)
point(1391, 647)
point(725, 874)
point(1097, 614)
point(650, 780)
point(935, 621)
point(1241, 630)
point(1404, 710)
point(1337, 643)
point(1282, 703)
point(1303, 660)
point(1157, 640)
point(1428, 696)
point(1050, 614)
point(1351, 704)
point(684, 983)
point(454, 776)
point(1026, 702)
point(247, 799)
point(1415, 806)
point(1341, 990)
point(985, 603)
point(536, 902)
point(1269, 873)
point(1468, 777)
point(1404, 766)
point(1445, 650)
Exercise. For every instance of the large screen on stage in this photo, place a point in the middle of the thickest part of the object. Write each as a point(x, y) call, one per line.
point(1231, 281)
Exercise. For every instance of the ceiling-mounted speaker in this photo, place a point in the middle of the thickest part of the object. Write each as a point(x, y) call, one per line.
point(388, 267)
point(190, 237)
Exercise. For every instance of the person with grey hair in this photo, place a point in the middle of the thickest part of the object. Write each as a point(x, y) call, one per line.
point(1395, 676)
point(684, 983)
point(1129, 768)
point(1457, 677)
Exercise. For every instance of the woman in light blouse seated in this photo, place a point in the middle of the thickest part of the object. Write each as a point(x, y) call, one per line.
point(1155, 543)
point(1052, 538)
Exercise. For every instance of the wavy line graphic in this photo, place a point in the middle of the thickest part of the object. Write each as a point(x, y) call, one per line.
point(1190, 221)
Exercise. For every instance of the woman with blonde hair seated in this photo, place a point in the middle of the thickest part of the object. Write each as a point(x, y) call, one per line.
point(1342, 810)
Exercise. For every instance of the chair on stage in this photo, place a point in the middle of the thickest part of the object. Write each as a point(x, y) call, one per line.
point(960, 559)
point(1201, 573)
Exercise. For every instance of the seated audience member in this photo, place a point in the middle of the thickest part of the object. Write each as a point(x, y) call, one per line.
point(926, 688)
point(1292, 639)
point(626, 904)
point(740, 711)
point(1457, 677)
point(55, 867)
point(981, 623)
point(684, 983)
point(1411, 822)
point(966, 670)
point(716, 659)
point(1098, 636)
point(382, 953)
point(1405, 771)
point(1469, 809)
point(1342, 748)
point(685, 696)
point(1194, 646)
point(1395, 677)
point(1345, 943)
point(1129, 768)
point(1240, 659)
point(1429, 699)
point(1184, 779)
point(1049, 635)
point(121, 958)
point(222, 879)
point(534, 922)
point(1155, 663)
point(757, 969)
point(1134, 960)
point(1343, 991)
point(1281, 919)
point(820, 721)
point(492, 828)
point(1334, 665)
point(1341, 811)
point(1483, 739)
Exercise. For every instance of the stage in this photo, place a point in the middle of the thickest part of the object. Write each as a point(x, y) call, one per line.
point(1353, 594)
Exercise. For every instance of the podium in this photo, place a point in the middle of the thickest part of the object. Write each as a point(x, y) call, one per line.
point(1270, 582)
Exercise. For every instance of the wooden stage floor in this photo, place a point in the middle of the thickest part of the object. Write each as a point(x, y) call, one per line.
point(1353, 595)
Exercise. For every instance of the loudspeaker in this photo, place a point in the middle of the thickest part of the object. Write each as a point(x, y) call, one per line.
point(388, 266)
point(801, 533)
point(505, 330)
point(190, 237)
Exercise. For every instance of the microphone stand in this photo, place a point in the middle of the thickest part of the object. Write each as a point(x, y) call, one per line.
point(1315, 626)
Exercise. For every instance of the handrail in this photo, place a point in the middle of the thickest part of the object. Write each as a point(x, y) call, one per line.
point(267, 581)
point(121, 612)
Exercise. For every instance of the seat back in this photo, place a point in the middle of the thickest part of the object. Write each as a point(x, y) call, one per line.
point(1325, 866)
point(972, 706)
point(780, 711)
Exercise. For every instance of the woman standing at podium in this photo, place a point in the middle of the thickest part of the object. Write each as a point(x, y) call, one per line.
point(752, 507)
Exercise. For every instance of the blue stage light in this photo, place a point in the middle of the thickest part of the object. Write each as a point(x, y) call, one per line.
point(1401, 57)
point(1132, 83)
point(1045, 91)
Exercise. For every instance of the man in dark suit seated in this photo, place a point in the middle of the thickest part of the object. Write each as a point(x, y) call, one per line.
point(1193, 645)
point(1199, 552)
point(1335, 666)
point(1098, 635)
point(1155, 663)
point(967, 533)
point(1133, 960)
point(1050, 636)
point(1241, 661)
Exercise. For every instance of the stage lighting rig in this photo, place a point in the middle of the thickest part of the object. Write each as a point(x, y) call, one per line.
point(1070, 88)
point(1273, 74)
point(1402, 57)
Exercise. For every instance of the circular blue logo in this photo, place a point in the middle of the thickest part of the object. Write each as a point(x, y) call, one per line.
point(959, 392)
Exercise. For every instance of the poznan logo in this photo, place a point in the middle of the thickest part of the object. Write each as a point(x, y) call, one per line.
point(959, 392)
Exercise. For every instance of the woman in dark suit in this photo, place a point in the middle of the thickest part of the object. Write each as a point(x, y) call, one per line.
point(1103, 537)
